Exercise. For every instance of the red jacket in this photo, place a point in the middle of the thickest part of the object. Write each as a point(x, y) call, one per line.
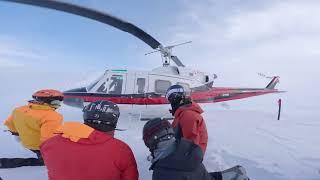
point(188, 120)
point(82, 153)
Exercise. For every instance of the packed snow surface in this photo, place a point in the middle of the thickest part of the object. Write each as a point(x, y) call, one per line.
point(252, 137)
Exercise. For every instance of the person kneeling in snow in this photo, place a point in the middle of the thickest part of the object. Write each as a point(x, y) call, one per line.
point(33, 124)
point(179, 159)
point(89, 150)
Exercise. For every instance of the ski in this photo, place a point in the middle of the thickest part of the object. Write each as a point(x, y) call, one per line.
point(19, 162)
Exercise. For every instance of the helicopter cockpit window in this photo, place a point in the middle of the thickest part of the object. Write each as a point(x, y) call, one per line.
point(94, 83)
point(115, 84)
point(161, 86)
point(141, 83)
point(103, 88)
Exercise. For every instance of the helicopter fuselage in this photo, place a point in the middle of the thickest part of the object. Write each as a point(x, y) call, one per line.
point(149, 87)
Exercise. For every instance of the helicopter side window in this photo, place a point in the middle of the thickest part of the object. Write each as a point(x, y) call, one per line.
point(207, 78)
point(115, 85)
point(141, 83)
point(161, 86)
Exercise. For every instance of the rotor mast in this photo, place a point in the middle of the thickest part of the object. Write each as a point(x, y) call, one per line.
point(167, 56)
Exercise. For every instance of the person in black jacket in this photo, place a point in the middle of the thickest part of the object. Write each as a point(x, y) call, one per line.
point(179, 159)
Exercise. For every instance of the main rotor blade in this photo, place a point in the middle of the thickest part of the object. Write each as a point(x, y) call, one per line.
point(177, 61)
point(95, 15)
point(170, 47)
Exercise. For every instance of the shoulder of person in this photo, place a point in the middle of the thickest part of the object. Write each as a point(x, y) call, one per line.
point(190, 114)
point(122, 145)
point(21, 108)
point(53, 115)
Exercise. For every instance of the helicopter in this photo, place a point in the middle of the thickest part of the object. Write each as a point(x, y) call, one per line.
point(124, 86)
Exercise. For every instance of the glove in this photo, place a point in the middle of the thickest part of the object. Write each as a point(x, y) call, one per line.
point(149, 158)
point(235, 173)
point(17, 138)
point(14, 133)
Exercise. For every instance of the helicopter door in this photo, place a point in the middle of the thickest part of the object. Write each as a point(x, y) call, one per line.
point(117, 84)
point(141, 84)
point(114, 84)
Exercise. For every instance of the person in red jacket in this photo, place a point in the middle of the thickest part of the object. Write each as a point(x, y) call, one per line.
point(188, 121)
point(89, 150)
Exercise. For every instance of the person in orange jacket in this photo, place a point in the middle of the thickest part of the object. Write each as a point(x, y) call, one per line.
point(89, 150)
point(188, 121)
point(33, 124)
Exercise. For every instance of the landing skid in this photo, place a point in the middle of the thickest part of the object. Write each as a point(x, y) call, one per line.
point(143, 117)
point(145, 113)
point(148, 119)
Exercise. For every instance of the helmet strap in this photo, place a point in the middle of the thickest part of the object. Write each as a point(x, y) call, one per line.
point(178, 103)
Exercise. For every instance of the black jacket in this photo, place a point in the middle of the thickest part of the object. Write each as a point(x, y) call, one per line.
point(185, 163)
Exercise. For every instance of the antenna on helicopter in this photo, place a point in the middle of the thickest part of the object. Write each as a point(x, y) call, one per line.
point(265, 76)
point(166, 54)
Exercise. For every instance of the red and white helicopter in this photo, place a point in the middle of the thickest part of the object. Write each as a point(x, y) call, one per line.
point(124, 86)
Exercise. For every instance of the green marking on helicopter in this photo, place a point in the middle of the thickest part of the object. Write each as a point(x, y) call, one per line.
point(119, 70)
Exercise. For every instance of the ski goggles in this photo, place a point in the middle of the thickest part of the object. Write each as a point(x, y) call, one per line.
point(55, 103)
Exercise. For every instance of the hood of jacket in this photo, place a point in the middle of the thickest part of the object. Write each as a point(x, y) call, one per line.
point(37, 106)
point(83, 134)
point(186, 157)
point(190, 107)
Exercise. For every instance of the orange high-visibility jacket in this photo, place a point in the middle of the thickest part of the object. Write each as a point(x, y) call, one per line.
point(34, 123)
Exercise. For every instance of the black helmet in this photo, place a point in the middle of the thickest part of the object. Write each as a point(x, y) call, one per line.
point(155, 131)
point(177, 97)
point(101, 115)
point(175, 92)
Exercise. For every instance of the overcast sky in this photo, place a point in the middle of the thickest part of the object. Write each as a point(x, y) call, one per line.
point(235, 39)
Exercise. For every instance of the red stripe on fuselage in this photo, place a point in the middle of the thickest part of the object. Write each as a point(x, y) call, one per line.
point(121, 100)
point(210, 96)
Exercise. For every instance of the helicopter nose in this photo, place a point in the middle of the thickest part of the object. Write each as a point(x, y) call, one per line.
point(73, 98)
